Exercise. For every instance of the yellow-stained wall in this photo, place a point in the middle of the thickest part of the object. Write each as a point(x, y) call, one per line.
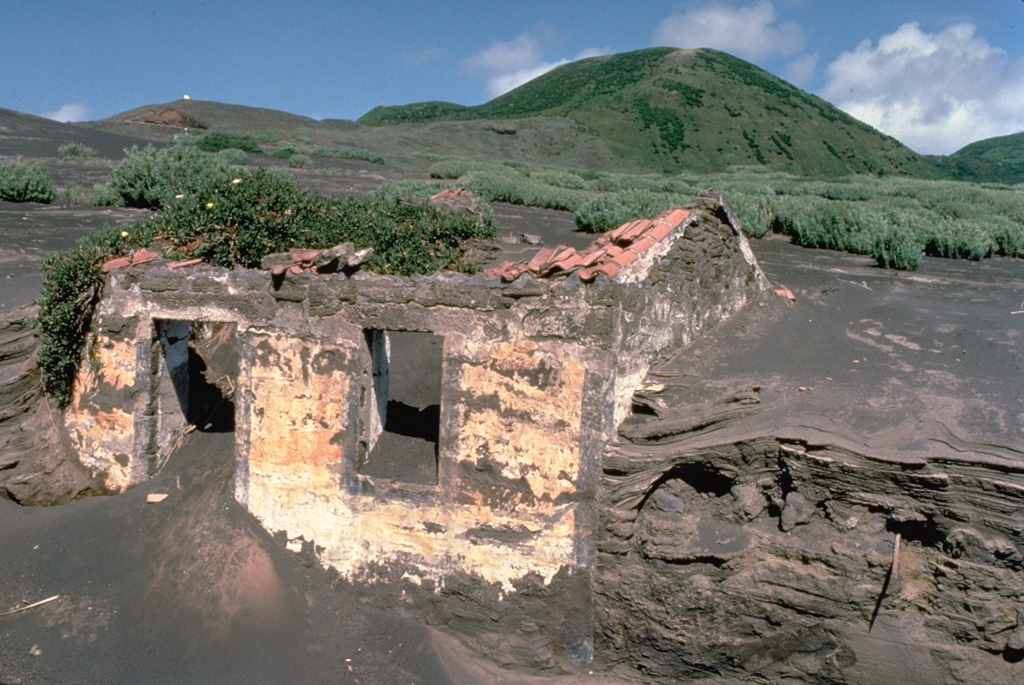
point(101, 417)
point(503, 506)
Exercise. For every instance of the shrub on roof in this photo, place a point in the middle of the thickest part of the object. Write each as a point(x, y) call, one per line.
point(237, 221)
point(22, 181)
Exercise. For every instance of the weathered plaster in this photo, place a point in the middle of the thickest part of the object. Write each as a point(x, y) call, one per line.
point(536, 376)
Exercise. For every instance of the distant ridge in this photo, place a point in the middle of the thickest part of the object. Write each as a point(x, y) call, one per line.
point(701, 109)
point(205, 114)
point(653, 110)
point(998, 159)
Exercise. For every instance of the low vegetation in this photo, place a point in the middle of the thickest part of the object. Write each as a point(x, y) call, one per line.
point(22, 181)
point(151, 177)
point(75, 152)
point(897, 220)
point(215, 141)
point(290, 149)
point(233, 217)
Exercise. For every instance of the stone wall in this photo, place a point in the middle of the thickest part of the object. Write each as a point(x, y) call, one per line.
point(535, 376)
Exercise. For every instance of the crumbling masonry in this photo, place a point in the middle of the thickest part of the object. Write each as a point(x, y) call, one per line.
point(484, 507)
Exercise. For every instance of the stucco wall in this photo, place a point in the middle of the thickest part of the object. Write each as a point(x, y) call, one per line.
point(536, 376)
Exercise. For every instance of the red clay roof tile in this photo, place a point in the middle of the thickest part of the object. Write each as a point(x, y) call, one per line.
point(542, 257)
point(570, 262)
point(633, 231)
point(660, 230)
point(614, 234)
point(643, 243)
point(627, 257)
point(676, 216)
point(143, 255)
point(115, 263)
point(609, 269)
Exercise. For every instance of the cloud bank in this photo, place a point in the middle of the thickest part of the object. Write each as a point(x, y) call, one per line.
point(934, 92)
point(71, 111)
point(506, 65)
point(751, 32)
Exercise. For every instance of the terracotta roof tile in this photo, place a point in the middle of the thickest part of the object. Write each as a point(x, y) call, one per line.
point(116, 263)
point(634, 231)
point(614, 234)
point(143, 255)
point(542, 257)
point(608, 254)
point(676, 216)
point(570, 261)
point(626, 258)
point(609, 269)
point(660, 230)
point(642, 244)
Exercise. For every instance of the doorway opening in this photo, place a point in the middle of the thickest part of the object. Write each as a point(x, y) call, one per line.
point(402, 406)
point(199, 365)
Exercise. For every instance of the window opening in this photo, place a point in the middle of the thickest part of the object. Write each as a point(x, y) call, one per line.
point(402, 406)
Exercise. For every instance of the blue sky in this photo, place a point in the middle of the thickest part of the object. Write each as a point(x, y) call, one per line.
point(936, 74)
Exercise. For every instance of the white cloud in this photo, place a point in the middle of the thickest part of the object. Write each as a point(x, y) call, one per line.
point(506, 65)
point(934, 92)
point(751, 32)
point(800, 70)
point(71, 111)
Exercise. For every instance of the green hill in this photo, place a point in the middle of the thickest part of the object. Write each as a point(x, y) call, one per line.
point(998, 159)
point(668, 109)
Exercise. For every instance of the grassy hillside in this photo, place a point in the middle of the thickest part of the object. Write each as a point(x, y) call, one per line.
point(665, 109)
point(998, 159)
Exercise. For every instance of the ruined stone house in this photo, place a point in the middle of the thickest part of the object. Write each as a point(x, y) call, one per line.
point(437, 439)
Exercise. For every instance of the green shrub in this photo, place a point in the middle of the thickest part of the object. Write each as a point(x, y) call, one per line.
point(151, 177)
point(898, 249)
point(450, 168)
point(300, 161)
point(1009, 237)
point(71, 287)
point(560, 178)
point(233, 156)
point(756, 212)
point(286, 151)
point(964, 238)
point(610, 210)
point(215, 141)
point(508, 185)
point(103, 195)
point(73, 151)
point(22, 181)
point(346, 152)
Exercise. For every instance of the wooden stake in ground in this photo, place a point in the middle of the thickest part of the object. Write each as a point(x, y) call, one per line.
point(29, 606)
